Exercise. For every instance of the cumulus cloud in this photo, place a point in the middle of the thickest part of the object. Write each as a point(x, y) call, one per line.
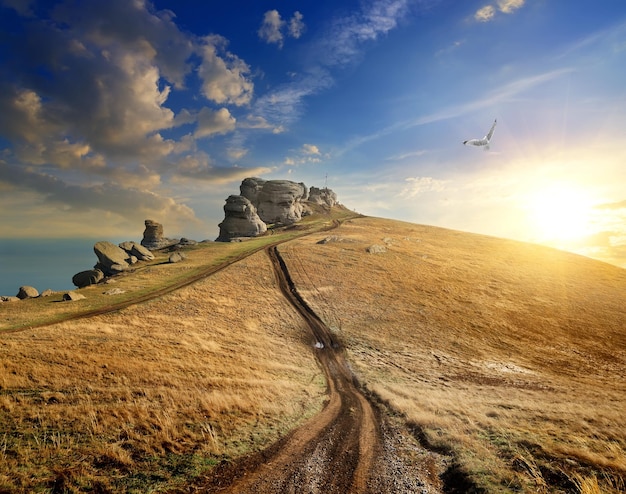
point(488, 12)
point(274, 29)
point(86, 116)
point(224, 75)
point(214, 122)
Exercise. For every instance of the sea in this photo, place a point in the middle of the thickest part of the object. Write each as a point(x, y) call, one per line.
point(44, 263)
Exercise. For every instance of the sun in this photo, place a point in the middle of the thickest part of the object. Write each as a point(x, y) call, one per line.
point(559, 212)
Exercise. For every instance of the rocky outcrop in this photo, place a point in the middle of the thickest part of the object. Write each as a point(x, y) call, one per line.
point(27, 292)
point(111, 259)
point(250, 188)
point(276, 201)
point(153, 237)
point(137, 250)
point(88, 277)
point(325, 196)
point(241, 220)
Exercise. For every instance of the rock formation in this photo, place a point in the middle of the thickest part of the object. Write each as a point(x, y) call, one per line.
point(153, 236)
point(111, 259)
point(137, 250)
point(27, 292)
point(241, 220)
point(276, 201)
point(323, 196)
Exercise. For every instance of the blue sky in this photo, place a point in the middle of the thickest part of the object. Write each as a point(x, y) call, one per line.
point(120, 111)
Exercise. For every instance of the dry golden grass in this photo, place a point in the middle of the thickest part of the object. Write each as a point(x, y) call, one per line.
point(152, 395)
point(510, 356)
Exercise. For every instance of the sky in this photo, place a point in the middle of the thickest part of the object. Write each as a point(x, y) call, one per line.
point(115, 112)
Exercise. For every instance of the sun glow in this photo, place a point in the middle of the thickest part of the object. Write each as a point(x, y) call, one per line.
point(560, 213)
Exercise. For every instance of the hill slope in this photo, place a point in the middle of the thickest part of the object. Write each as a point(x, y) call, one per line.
point(509, 357)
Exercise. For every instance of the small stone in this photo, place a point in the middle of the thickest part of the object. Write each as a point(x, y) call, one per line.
point(73, 296)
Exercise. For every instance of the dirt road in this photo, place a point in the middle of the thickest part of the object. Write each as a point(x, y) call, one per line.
point(346, 448)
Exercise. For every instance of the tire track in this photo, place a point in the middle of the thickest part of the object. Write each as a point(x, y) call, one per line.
point(333, 452)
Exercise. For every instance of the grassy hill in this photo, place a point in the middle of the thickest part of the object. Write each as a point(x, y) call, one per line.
point(508, 357)
point(511, 356)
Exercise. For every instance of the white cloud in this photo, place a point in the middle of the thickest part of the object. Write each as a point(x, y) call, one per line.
point(296, 26)
point(485, 14)
point(307, 154)
point(341, 43)
point(212, 122)
point(225, 78)
point(310, 149)
point(510, 6)
point(488, 12)
point(273, 27)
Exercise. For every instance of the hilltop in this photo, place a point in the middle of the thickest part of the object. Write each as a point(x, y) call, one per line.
point(505, 359)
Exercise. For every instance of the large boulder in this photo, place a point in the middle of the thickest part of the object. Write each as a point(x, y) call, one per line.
point(325, 196)
point(250, 188)
point(137, 250)
point(86, 278)
point(280, 201)
point(111, 259)
point(241, 220)
point(153, 237)
point(27, 292)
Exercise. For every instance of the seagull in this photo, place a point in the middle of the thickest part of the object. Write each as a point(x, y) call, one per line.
point(485, 140)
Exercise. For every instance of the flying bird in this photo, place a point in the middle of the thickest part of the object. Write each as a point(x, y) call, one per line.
point(485, 140)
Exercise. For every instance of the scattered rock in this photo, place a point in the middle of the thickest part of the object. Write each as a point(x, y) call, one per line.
point(241, 220)
point(86, 278)
point(153, 236)
point(187, 242)
point(112, 259)
point(10, 299)
point(176, 257)
point(47, 293)
point(114, 291)
point(72, 296)
point(27, 292)
point(335, 238)
point(137, 250)
point(376, 249)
